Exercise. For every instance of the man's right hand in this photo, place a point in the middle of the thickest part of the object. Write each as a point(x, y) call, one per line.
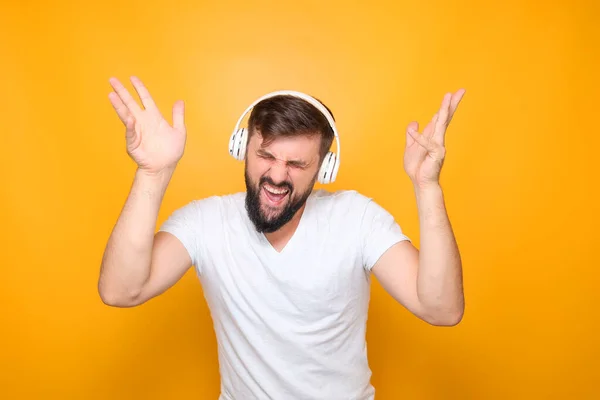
point(138, 264)
point(152, 143)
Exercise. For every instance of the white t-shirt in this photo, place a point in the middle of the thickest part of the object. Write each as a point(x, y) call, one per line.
point(291, 324)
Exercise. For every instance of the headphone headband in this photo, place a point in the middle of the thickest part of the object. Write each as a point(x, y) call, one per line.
point(305, 97)
point(331, 163)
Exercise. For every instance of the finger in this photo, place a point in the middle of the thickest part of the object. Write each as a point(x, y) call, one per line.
point(126, 98)
point(420, 139)
point(130, 128)
point(455, 101)
point(428, 131)
point(428, 147)
point(414, 125)
point(119, 107)
point(143, 93)
point(411, 126)
point(178, 116)
point(444, 110)
point(439, 129)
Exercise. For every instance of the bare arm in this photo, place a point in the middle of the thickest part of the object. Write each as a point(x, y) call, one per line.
point(428, 282)
point(137, 264)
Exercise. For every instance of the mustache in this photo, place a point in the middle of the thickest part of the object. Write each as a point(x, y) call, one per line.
point(282, 185)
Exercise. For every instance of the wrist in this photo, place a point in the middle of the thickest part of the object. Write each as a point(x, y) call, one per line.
point(158, 178)
point(431, 205)
point(156, 174)
point(426, 188)
point(429, 194)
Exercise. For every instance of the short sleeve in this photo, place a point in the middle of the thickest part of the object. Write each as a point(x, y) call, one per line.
point(379, 232)
point(184, 224)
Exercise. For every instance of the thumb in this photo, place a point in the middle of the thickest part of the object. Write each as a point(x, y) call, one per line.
point(412, 126)
point(130, 128)
point(178, 116)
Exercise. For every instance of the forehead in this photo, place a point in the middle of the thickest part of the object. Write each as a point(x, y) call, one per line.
point(299, 147)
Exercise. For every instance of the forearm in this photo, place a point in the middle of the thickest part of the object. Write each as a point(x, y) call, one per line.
point(439, 282)
point(128, 254)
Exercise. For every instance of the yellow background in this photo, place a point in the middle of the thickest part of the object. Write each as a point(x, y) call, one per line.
point(520, 179)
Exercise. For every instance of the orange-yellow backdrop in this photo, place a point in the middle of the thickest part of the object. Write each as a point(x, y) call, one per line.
point(521, 181)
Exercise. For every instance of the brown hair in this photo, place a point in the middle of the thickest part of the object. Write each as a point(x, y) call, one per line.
point(286, 115)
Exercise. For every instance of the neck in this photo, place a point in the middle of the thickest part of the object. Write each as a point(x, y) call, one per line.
point(280, 237)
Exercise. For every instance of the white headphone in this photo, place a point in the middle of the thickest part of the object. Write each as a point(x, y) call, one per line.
point(331, 162)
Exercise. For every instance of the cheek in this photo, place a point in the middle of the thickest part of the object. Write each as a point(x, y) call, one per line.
point(257, 168)
point(302, 180)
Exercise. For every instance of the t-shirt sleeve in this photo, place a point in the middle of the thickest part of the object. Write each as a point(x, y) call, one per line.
point(379, 232)
point(184, 224)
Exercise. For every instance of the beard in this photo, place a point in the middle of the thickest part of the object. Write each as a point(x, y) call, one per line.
point(276, 218)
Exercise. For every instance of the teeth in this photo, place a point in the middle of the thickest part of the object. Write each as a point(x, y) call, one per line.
point(275, 191)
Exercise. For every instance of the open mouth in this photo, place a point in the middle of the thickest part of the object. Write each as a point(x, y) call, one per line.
point(274, 196)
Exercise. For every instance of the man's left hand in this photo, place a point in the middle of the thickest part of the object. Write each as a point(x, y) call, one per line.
point(425, 152)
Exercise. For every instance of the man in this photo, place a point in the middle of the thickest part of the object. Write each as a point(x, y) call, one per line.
point(285, 269)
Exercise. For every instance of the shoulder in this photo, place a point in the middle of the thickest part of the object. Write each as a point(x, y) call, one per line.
point(225, 201)
point(346, 204)
point(344, 197)
point(349, 205)
point(212, 206)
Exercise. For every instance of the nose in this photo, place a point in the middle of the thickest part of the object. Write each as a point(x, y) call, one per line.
point(278, 172)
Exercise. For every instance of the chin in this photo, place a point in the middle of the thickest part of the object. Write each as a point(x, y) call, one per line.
point(271, 208)
point(270, 212)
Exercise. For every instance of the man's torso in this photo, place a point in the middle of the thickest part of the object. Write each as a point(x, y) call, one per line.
point(289, 324)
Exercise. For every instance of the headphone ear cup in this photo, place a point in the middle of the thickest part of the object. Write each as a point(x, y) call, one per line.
point(232, 140)
point(328, 168)
point(334, 168)
point(243, 143)
point(237, 144)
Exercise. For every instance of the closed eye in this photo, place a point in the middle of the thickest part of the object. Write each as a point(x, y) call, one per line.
point(293, 163)
point(297, 164)
point(266, 156)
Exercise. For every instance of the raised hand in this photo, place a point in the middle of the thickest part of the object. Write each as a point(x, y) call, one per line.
point(425, 152)
point(151, 142)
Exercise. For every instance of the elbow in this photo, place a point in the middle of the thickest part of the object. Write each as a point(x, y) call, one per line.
point(113, 301)
point(114, 298)
point(447, 318)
